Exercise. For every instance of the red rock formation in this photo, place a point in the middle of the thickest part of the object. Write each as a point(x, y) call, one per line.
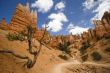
point(106, 16)
point(23, 17)
point(102, 28)
point(106, 21)
point(91, 34)
point(85, 36)
point(3, 24)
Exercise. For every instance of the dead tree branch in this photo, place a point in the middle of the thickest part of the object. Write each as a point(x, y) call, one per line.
point(30, 62)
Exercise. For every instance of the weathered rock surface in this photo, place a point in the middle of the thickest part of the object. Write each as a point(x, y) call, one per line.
point(23, 17)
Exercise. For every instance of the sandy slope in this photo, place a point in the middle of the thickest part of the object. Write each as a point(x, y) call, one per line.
point(10, 64)
point(47, 62)
point(59, 68)
point(78, 67)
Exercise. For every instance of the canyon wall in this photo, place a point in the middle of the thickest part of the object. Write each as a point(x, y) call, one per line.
point(23, 17)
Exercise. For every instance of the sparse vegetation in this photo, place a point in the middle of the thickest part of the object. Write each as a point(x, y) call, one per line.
point(28, 33)
point(18, 36)
point(15, 36)
point(96, 56)
point(84, 48)
point(83, 51)
point(64, 47)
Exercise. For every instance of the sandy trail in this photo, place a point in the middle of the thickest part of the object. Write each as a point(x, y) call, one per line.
point(59, 68)
point(96, 64)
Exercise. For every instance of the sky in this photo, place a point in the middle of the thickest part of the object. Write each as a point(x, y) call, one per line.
point(61, 16)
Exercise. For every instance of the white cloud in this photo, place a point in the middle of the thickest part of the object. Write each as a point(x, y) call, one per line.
point(60, 6)
point(88, 4)
point(103, 6)
point(56, 21)
point(99, 6)
point(58, 16)
point(76, 30)
point(43, 5)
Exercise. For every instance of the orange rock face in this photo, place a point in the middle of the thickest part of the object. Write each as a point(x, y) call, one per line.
point(106, 21)
point(3, 24)
point(23, 17)
point(102, 28)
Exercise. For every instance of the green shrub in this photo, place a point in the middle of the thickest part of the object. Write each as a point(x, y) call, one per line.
point(11, 37)
point(64, 47)
point(21, 37)
point(84, 58)
point(15, 36)
point(96, 56)
point(84, 48)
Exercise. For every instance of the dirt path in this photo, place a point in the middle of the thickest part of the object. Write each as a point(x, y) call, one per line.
point(96, 64)
point(60, 67)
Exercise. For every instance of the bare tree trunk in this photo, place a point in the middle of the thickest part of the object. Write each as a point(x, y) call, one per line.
point(30, 62)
